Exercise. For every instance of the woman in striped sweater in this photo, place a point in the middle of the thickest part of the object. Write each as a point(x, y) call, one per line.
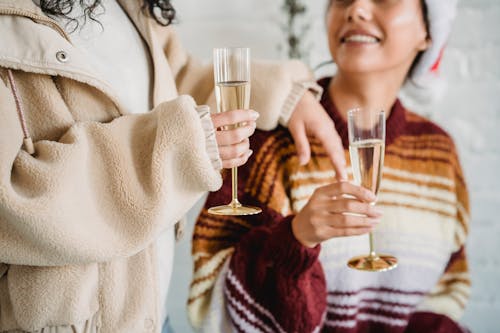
point(285, 269)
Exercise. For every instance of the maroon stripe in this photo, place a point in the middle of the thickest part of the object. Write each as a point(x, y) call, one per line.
point(371, 300)
point(390, 290)
point(230, 289)
point(367, 310)
point(365, 327)
point(221, 219)
point(226, 227)
point(230, 239)
point(416, 158)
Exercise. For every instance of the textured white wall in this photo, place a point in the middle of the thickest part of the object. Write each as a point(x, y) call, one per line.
point(469, 110)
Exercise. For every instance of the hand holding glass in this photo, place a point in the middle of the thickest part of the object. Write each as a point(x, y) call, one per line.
point(366, 148)
point(232, 91)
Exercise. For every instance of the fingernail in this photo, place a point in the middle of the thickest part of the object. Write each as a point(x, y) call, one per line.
point(302, 160)
point(254, 115)
point(250, 152)
point(374, 221)
point(377, 211)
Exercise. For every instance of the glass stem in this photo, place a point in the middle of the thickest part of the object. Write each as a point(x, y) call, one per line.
point(234, 175)
point(372, 248)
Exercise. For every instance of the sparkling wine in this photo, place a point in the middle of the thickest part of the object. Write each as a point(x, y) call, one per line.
point(232, 95)
point(367, 159)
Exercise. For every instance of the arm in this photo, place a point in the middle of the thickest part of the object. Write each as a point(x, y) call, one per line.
point(276, 86)
point(102, 191)
point(441, 310)
point(249, 247)
point(282, 92)
point(268, 272)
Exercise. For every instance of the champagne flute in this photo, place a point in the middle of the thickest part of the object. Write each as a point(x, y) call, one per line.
point(366, 148)
point(232, 91)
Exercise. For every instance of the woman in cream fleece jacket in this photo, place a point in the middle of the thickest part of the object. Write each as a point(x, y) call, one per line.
point(88, 184)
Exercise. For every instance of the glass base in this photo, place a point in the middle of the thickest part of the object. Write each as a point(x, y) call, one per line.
point(373, 263)
point(239, 210)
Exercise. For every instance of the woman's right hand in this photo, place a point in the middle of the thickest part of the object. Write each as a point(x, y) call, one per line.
point(234, 145)
point(328, 214)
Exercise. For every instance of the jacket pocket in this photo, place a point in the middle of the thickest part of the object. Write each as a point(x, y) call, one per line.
point(53, 296)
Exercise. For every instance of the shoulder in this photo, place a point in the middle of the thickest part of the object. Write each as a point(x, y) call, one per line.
point(426, 130)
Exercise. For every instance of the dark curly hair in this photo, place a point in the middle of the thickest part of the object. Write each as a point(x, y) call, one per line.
point(161, 10)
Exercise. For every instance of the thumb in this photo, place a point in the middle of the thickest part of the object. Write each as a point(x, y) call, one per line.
point(301, 143)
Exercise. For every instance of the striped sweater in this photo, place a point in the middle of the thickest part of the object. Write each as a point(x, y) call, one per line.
point(252, 275)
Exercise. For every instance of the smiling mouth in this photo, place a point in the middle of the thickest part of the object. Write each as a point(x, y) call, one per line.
point(360, 39)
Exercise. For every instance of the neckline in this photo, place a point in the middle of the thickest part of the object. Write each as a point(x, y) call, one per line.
point(395, 123)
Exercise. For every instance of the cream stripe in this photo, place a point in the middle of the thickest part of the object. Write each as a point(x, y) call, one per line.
point(340, 323)
point(210, 266)
point(205, 272)
point(464, 213)
point(242, 323)
point(418, 202)
point(366, 317)
point(198, 255)
point(382, 319)
point(390, 198)
point(462, 288)
point(422, 177)
point(197, 289)
point(421, 190)
point(456, 276)
point(304, 191)
point(371, 305)
point(386, 296)
point(314, 175)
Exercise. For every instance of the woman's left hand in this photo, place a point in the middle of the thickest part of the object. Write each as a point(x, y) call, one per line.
point(309, 118)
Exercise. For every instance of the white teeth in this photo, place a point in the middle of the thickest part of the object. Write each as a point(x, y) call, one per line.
point(361, 39)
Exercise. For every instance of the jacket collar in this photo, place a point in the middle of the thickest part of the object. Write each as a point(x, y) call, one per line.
point(31, 48)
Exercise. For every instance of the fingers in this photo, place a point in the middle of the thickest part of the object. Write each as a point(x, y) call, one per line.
point(340, 189)
point(345, 220)
point(347, 232)
point(234, 117)
point(238, 161)
point(301, 143)
point(235, 135)
point(234, 146)
point(333, 145)
point(341, 206)
point(234, 151)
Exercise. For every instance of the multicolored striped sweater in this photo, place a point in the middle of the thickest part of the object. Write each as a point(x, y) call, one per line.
point(252, 275)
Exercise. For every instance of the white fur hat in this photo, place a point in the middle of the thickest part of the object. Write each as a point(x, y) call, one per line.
point(440, 15)
point(425, 84)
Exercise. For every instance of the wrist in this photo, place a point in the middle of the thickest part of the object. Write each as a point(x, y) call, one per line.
point(298, 234)
point(210, 138)
point(299, 89)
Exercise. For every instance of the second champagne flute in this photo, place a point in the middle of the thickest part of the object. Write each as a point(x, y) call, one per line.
point(366, 147)
point(232, 91)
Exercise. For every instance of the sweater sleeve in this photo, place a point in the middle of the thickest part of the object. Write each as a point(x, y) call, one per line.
point(103, 190)
point(271, 282)
point(441, 309)
point(276, 87)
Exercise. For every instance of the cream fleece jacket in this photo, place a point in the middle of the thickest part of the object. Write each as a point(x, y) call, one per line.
point(79, 217)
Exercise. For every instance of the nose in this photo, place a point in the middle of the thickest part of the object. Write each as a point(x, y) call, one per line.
point(359, 10)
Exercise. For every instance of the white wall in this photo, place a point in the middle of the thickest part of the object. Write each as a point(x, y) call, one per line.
point(470, 111)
